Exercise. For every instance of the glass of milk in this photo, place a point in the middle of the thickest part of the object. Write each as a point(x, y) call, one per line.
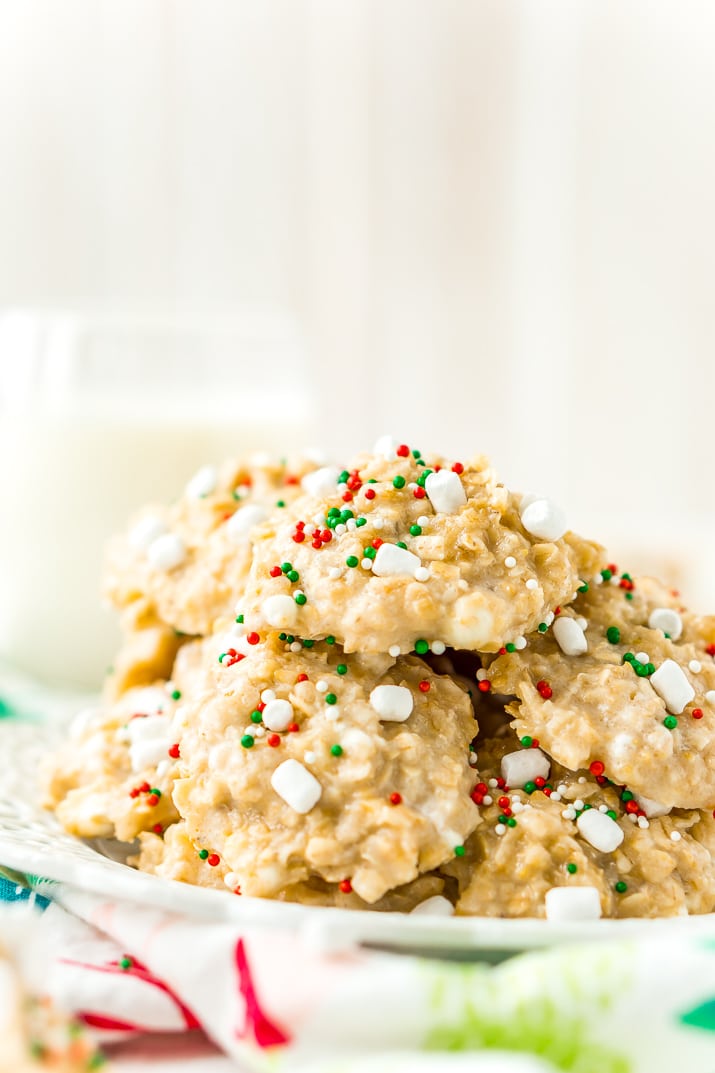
point(99, 414)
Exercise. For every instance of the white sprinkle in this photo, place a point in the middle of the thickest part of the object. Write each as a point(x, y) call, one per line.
point(334, 573)
point(340, 528)
point(710, 696)
point(532, 584)
point(377, 522)
point(517, 807)
point(250, 730)
point(544, 520)
point(267, 695)
point(597, 579)
point(280, 610)
point(695, 666)
point(392, 703)
point(509, 562)
point(672, 686)
point(332, 714)
point(278, 714)
point(482, 675)
point(667, 620)
point(582, 779)
point(203, 483)
point(652, 808)
point(520, 644)
point(241, 524)
point(146, 531)
point(438, 647)
point(603, 808)
point(492, 783)
point(423, 520)
point(232, 880)
point(422, 573)
point(642, 657)
point(500, 829)
point(239, 629)
point(392, 561)
point(570, 637)
point(549, 617)
point(569, 814)
point(321, 686)
point(675, 836)
point(351, 524)
point(166, 552)
point(445, 491)
point(319, 520)
point(412, 485)
point(572, 903)
point(583, 622)
point(600, 831)
point(632, 817)
point(488, 799)
point(259, 732)
point(296, 785)
point(562, 788)
point(643, 822)
point(524, 766)
point(310, 757)
point(296, 646)
point(394, 651)
point(555, 796)
point(366, 564)
point(436, 906)
point(321, 483)
point(578, 804)
point(614, 580)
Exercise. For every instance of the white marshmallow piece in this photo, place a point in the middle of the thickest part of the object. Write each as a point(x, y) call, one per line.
point(203, 483)
point(321, 482)
point(386, 447)
point(146, 531)
point(652, 808)
point(149, 741)
point(570, 636)
point(240, 524)
point(436, 906)
point(599, 830)
point(280, 611)
point(166, 552)
point(445, 491)
point(277, 714)
point(667, 620)
point(524, 766)
point(297, 786)
point(392, 561)
point(393, 704)
point(672, 686)
point(572, 903)
point(543, 519)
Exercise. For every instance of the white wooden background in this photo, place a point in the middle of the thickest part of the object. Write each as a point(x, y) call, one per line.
point(493, 221)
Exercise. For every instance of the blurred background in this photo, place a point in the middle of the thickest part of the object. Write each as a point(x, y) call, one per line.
point(480, 226)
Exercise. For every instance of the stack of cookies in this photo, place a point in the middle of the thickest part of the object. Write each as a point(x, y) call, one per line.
point(398, 686)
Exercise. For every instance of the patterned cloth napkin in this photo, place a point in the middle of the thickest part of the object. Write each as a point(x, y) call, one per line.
point(275, 1003)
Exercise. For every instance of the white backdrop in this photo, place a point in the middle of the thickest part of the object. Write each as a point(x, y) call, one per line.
point(492, 221)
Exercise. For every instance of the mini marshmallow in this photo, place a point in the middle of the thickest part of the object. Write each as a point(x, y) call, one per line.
point(710, 696)
point(386, 447)
point(277, 714)
point(391, 561)
point(652, 808)
point(524, 766)
point(322, 482)
point(570, 637)
point(146, 531)
point(436, 906)
point(296, 785)
point(572, 903)
point(543, 519)
point(445, 491)
point(667, 620)
point(599, 830)
point(150, 739)
point(392, 703)
point(166, 552)
point(672, 686)
point(280, 611)
point(203, 483)
point(240, 524)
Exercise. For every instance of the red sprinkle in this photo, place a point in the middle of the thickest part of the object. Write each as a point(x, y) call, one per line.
point(152, 799)
point(134, 792)
point(632, 806)
point(403, 450)
point(504, 802)
point(273, 740)
point(288, 480)
point(301, 678)
point(293, 728)
point(370, 493)
point(174, 752)
point(557, 610)
point(710, 650)
point(377, 543)
point(326, 536)
point(457, 468)
point(300, 525)
point(347, 497)
point(253, 638)
point(535, 743)
point(213, 859)
point(478, 799)
point(261, 706)
point(501, 783)
point(539, 782)
point(419, 493)
point(299, 536)
point(597, 767)
point(395, 799)
point(697, 713)
point(345, 886)
point(482, 788)
point(158, 829)
point(317, 544)
point(502, 651)
point(144, 788)
point(275, 571)
point(484, 686)
point(424, 687)
point(544, 689)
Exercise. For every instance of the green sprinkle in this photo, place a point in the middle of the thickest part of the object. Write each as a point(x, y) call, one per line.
point(370, 552)
point(176, 694)
point(203, 854)
point(293, 575)
point(613, 634)
point(280, 503)
point(529, 787)
point(610, 812)
point(572, 869)
point(542, 627)
point(620, 887)
point(236, 496)
point(584, 587)
point(336, 750)
point(286, 567)
point(96, 1061)
point(359, 522)
point(415, 530)
point(511, 822)
point(282, 636)
point(398, 481)
point(239, 618)
point(641, 669)
point(351, 560)
point(334, 512)
point(330, 640)
point(670, 722)
point(606, 574)
point(628, 657)
point(626, 577)
point(346, 514)
point(290, 638)
point(330, 698)
point(526, 741)
point(256, 717)
point(510, 647)
point(629, 596)
point(342, 479)
point(626, 795)
point(400, 544)
point(300, 598)
point(650, 668)
point(423, 477)
point(125, 962)
point(154, 790)
point(342, 668)
point(421, 647)
point(247, 741)
point(459, 851)
point(307, 642)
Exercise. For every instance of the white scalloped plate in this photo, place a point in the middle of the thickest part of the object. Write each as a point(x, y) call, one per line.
point(32, 843)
